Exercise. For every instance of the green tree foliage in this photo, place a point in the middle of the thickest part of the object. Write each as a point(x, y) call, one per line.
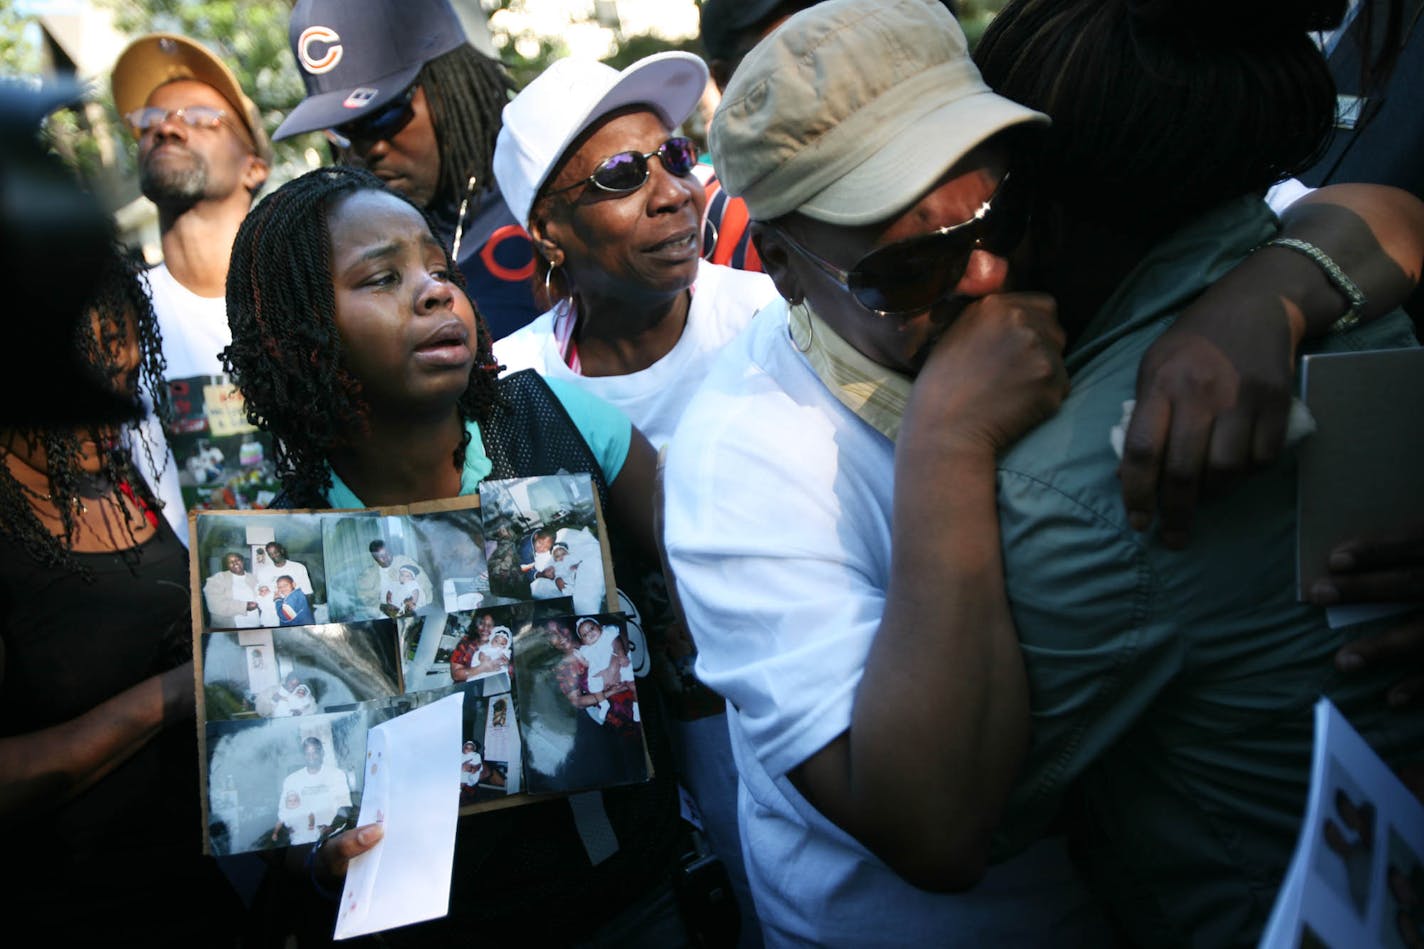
point(251, 37)
point(634, 48)
point(19, 52)
point(974, 17)
point(526, 54)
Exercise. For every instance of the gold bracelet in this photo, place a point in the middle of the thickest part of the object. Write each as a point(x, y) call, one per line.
point(1337, 277)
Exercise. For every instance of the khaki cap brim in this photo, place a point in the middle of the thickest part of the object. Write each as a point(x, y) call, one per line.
point(158, 58)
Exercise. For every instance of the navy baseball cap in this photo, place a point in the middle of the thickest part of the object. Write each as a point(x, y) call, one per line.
point(357, 55)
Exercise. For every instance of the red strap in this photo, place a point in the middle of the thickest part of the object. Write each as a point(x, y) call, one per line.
point(148, 512)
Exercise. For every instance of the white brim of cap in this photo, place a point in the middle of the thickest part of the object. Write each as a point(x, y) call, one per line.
point(672, 83)
point(911, 162)
point(325, 110)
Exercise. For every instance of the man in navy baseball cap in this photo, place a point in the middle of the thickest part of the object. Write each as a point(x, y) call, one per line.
point(355, 57)
point(399, 90)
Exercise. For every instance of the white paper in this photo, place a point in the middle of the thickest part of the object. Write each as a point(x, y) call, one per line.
point(1299, 424)
point(1361, 846)
point(405, 878)
point(1352, 614)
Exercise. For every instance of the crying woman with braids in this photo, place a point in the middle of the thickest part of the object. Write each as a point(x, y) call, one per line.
point(355, 345)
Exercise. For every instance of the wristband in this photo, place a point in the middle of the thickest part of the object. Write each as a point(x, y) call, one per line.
point(1337, 277)
point(339, 825)
point(311, 876)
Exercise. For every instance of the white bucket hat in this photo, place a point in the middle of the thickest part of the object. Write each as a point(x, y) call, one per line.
point(564, 100)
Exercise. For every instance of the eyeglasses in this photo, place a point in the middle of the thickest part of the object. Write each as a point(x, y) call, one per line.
point(378, 125)
point(195, 116)
point(911, 276)
point(626, 171)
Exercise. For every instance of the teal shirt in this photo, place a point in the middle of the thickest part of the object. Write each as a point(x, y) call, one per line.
point(1176, 687)
point(605, 428)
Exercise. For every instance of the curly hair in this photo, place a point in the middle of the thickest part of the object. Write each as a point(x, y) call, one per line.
point(119, 306)
point(466, 92)
point(286, 354)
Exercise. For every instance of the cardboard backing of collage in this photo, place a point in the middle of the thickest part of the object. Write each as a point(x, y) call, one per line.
point(311, 628)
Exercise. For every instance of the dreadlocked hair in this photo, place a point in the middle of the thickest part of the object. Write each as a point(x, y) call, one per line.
point(286, 355)
point(119, 306)
point(466, 92)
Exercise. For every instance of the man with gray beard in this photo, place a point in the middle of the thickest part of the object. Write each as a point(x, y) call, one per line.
point(203, 155)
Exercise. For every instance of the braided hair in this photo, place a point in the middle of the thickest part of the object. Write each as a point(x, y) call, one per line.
point(119, 306)
point(466, 92)
point(286, 354)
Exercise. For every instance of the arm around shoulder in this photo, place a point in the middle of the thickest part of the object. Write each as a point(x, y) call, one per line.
point(1373, 233)
point(1214, 391)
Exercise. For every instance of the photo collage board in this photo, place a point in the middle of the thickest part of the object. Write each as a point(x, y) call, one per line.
point(1358, 869)
point(313, 627)
point(224, 462)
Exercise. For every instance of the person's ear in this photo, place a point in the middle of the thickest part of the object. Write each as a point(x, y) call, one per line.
point(776, 261)
point(543, 233)
point(254, 176)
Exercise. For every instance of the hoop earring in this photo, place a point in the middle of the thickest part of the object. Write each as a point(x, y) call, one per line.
point(708, 246)
point(799, 306)
point(548, 278)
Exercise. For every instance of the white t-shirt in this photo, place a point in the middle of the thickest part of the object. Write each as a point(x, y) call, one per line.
point(778, 513)
point(1286, 192)
point(723, 302)
point(194, 328)
point(148, 447)
point(268, 573)
point(317, 799)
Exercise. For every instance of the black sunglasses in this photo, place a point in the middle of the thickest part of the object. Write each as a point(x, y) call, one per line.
point(626, 171)
point(383, 123)
point(911, 276)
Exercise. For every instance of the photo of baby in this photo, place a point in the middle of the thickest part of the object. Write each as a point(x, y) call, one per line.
point(578, 704)
point(544, 540)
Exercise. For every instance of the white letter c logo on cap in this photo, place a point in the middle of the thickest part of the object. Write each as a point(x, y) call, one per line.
point(328, 60)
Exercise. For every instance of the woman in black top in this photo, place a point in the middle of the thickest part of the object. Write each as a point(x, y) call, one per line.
point(98, 769)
